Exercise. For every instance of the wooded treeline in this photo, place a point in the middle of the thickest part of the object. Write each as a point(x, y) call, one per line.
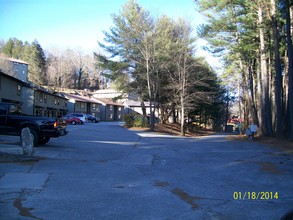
point(55, 68)
point(255, 37)
point(156, 59)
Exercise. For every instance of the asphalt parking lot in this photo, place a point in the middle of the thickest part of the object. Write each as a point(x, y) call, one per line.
point(104, 171)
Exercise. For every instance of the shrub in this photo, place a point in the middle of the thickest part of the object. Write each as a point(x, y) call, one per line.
point(129, 120)
point(140, 121)
point(135, 120)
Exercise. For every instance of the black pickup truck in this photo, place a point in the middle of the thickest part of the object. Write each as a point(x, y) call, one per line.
point(42, 128)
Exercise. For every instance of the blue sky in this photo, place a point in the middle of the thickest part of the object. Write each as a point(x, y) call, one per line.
point(76, 23)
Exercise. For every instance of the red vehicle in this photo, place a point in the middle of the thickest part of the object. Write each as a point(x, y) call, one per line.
point(70, 119)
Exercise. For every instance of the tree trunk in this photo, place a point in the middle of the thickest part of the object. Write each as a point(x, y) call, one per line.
point(143, 108)
point(278, 75)
point(239, 104)
point(182, 127)
point(285, 95)
point(260, 105)
point(251, 87)
point(152, 126)
point(226, 112)
point(265, 80)
point(246, 99)
point(80, 72)
point(162, 115)
point(174, 115)
point(290, 70)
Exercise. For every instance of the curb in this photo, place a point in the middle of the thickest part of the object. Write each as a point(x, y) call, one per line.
point(8, 157)
point(11, 150)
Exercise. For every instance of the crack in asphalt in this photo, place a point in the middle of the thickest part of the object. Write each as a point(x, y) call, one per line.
point(24, 211)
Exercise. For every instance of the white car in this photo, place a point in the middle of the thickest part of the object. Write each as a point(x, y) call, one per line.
point(81, 116)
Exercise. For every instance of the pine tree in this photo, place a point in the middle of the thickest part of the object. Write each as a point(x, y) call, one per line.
point(35, 56)
point(288, 12)
point(244, 30)
point(8, 48)
point(154, 58)
point(132, 40)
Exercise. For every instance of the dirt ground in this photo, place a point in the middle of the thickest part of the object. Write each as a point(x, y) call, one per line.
point(283, 145)
point(174, 129)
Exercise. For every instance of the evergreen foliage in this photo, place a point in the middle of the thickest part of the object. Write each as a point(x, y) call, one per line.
point(156, 59)
point(68, 69)
point(30, 53)
point(251, 37)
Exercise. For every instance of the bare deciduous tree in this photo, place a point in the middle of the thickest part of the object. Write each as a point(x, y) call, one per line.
point(72, 69)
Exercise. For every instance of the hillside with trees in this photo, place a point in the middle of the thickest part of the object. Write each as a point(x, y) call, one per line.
point(30, 53)
point(55, 68)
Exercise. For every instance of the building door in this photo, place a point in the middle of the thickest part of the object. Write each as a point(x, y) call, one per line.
point(88, 108)
point(115, 113)
point(3, 114)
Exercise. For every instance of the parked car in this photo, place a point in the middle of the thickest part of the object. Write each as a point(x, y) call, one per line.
point(42, 128)
point(70, 119)
point(81, 116)
point(92, 118)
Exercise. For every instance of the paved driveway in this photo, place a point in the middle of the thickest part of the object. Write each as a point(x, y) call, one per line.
point(103, 171)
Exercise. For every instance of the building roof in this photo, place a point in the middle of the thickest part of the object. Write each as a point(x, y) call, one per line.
point(80, 98)
point(108, 102)
point(32, 86)
point(14, 60)
point(12, 78)
point(43, 90)
point(101, 101)
point(132, 103)
point(107, 93)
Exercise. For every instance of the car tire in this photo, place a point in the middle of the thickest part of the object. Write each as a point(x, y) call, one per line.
point(94, 121)
point(43, 140)
point(81, 122)
point(73, 122)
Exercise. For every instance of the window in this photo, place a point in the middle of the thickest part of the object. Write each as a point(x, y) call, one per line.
point(41, 97)
point(111, 107)
point(55, 101)
point(45, 98)
point(18, 90)
point(2, 110)
point(94, 106)
point(82, 105)
point(14, 109)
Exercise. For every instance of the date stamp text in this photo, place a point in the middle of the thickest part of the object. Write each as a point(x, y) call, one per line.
point(255, 195)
